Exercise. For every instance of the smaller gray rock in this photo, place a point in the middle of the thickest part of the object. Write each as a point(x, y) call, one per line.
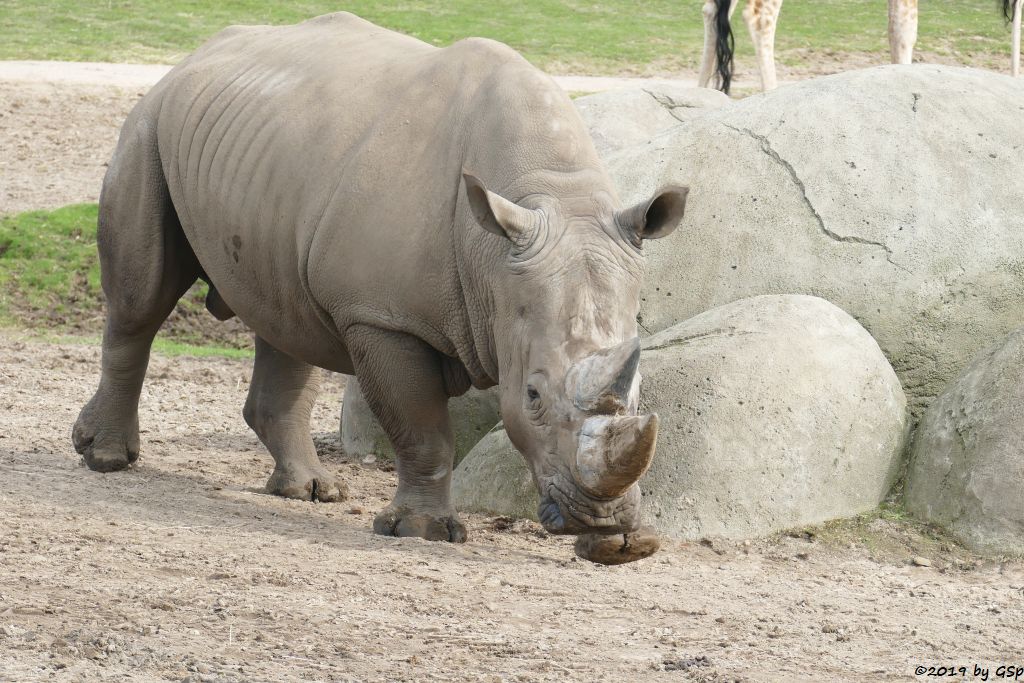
point(966, 470)
point(776, 411)
point(495, 479)
point(622, 118)
point(472, 415)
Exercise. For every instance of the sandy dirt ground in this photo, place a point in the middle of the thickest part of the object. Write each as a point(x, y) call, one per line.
point(181, 569)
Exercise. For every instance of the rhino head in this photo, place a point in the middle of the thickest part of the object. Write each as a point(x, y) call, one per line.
point(565, 301)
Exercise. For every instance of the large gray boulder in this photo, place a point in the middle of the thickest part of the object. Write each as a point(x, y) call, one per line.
point(893, 192)
point(776, 411)
point(966, 469)
point(472, 415)
point(619, 119)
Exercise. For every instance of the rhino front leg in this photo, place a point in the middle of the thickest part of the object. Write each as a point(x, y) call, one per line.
point(401, 378)
point(278, 409)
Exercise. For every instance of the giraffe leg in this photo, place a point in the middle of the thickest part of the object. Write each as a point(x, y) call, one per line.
point(902, 30)
point(1015, 49)
point(707, 61)
point(762, 16)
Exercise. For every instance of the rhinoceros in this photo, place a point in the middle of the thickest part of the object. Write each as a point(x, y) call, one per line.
point(426, 219)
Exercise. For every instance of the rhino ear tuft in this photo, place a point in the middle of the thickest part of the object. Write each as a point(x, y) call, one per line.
point(498, 215)
point(655, 217)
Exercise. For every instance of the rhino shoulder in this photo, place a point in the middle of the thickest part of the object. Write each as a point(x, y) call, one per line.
point(345, 20)
point(484, 51)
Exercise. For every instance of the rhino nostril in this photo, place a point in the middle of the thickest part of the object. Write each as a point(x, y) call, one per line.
point(550, 515)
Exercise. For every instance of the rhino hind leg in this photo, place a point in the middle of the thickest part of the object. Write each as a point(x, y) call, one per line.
point(402, 379)
point(278, 408)
point(147, 265)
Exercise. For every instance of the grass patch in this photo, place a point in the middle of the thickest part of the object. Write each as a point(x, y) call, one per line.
point(170, 347)
point(50, 283)
point(48, 263)
point(164, 347)
point(616, 37)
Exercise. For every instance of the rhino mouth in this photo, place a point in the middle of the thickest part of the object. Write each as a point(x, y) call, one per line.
point(565, 509)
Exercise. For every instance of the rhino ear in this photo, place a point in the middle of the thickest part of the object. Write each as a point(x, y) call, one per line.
point(496, 214)
point(655, 217)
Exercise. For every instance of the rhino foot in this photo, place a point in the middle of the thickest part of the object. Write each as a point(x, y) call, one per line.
point(402, 521)
point(314, 484)
point(618, 548)
point(104, 450)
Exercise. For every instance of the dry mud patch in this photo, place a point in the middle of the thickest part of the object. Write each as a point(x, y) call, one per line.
point(180, 569)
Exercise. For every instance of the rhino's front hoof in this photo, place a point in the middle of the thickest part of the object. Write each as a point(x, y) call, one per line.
point(107, 461)
point(399, 521)
point(620, 548)
point(316, 486)
point(103, 453)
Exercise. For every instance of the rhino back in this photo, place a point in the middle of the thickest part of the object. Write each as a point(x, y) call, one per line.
point(315, 169)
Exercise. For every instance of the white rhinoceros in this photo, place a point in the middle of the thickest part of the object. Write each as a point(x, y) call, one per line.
point(315, 176)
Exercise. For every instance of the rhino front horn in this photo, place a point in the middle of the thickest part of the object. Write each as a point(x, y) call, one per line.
point(604, 380)
point(614, 452)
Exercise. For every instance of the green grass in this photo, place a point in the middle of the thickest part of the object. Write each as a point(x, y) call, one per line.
point(48, 263)
point(170, 347)
point(166, 347)
point(655, 36)
point(50, 284)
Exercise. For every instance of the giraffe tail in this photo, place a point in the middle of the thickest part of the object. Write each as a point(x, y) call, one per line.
point(1008, 6)
point(725, 43)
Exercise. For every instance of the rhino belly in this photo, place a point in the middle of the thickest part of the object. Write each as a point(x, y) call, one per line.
point(249, 201)
point(268, 296)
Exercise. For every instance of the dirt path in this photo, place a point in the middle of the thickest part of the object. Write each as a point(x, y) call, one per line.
point(180, 569)
point(55, 141)
point(145, 75)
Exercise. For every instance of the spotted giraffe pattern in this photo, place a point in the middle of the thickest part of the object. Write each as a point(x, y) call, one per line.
point(761, 17)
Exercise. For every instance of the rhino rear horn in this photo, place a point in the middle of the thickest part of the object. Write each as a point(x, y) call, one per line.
point(614, 451)
point(604, 380)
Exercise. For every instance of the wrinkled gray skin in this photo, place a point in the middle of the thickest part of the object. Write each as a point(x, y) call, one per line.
point(314, 176)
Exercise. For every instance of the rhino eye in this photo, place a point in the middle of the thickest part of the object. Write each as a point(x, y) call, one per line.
point(532, 394)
